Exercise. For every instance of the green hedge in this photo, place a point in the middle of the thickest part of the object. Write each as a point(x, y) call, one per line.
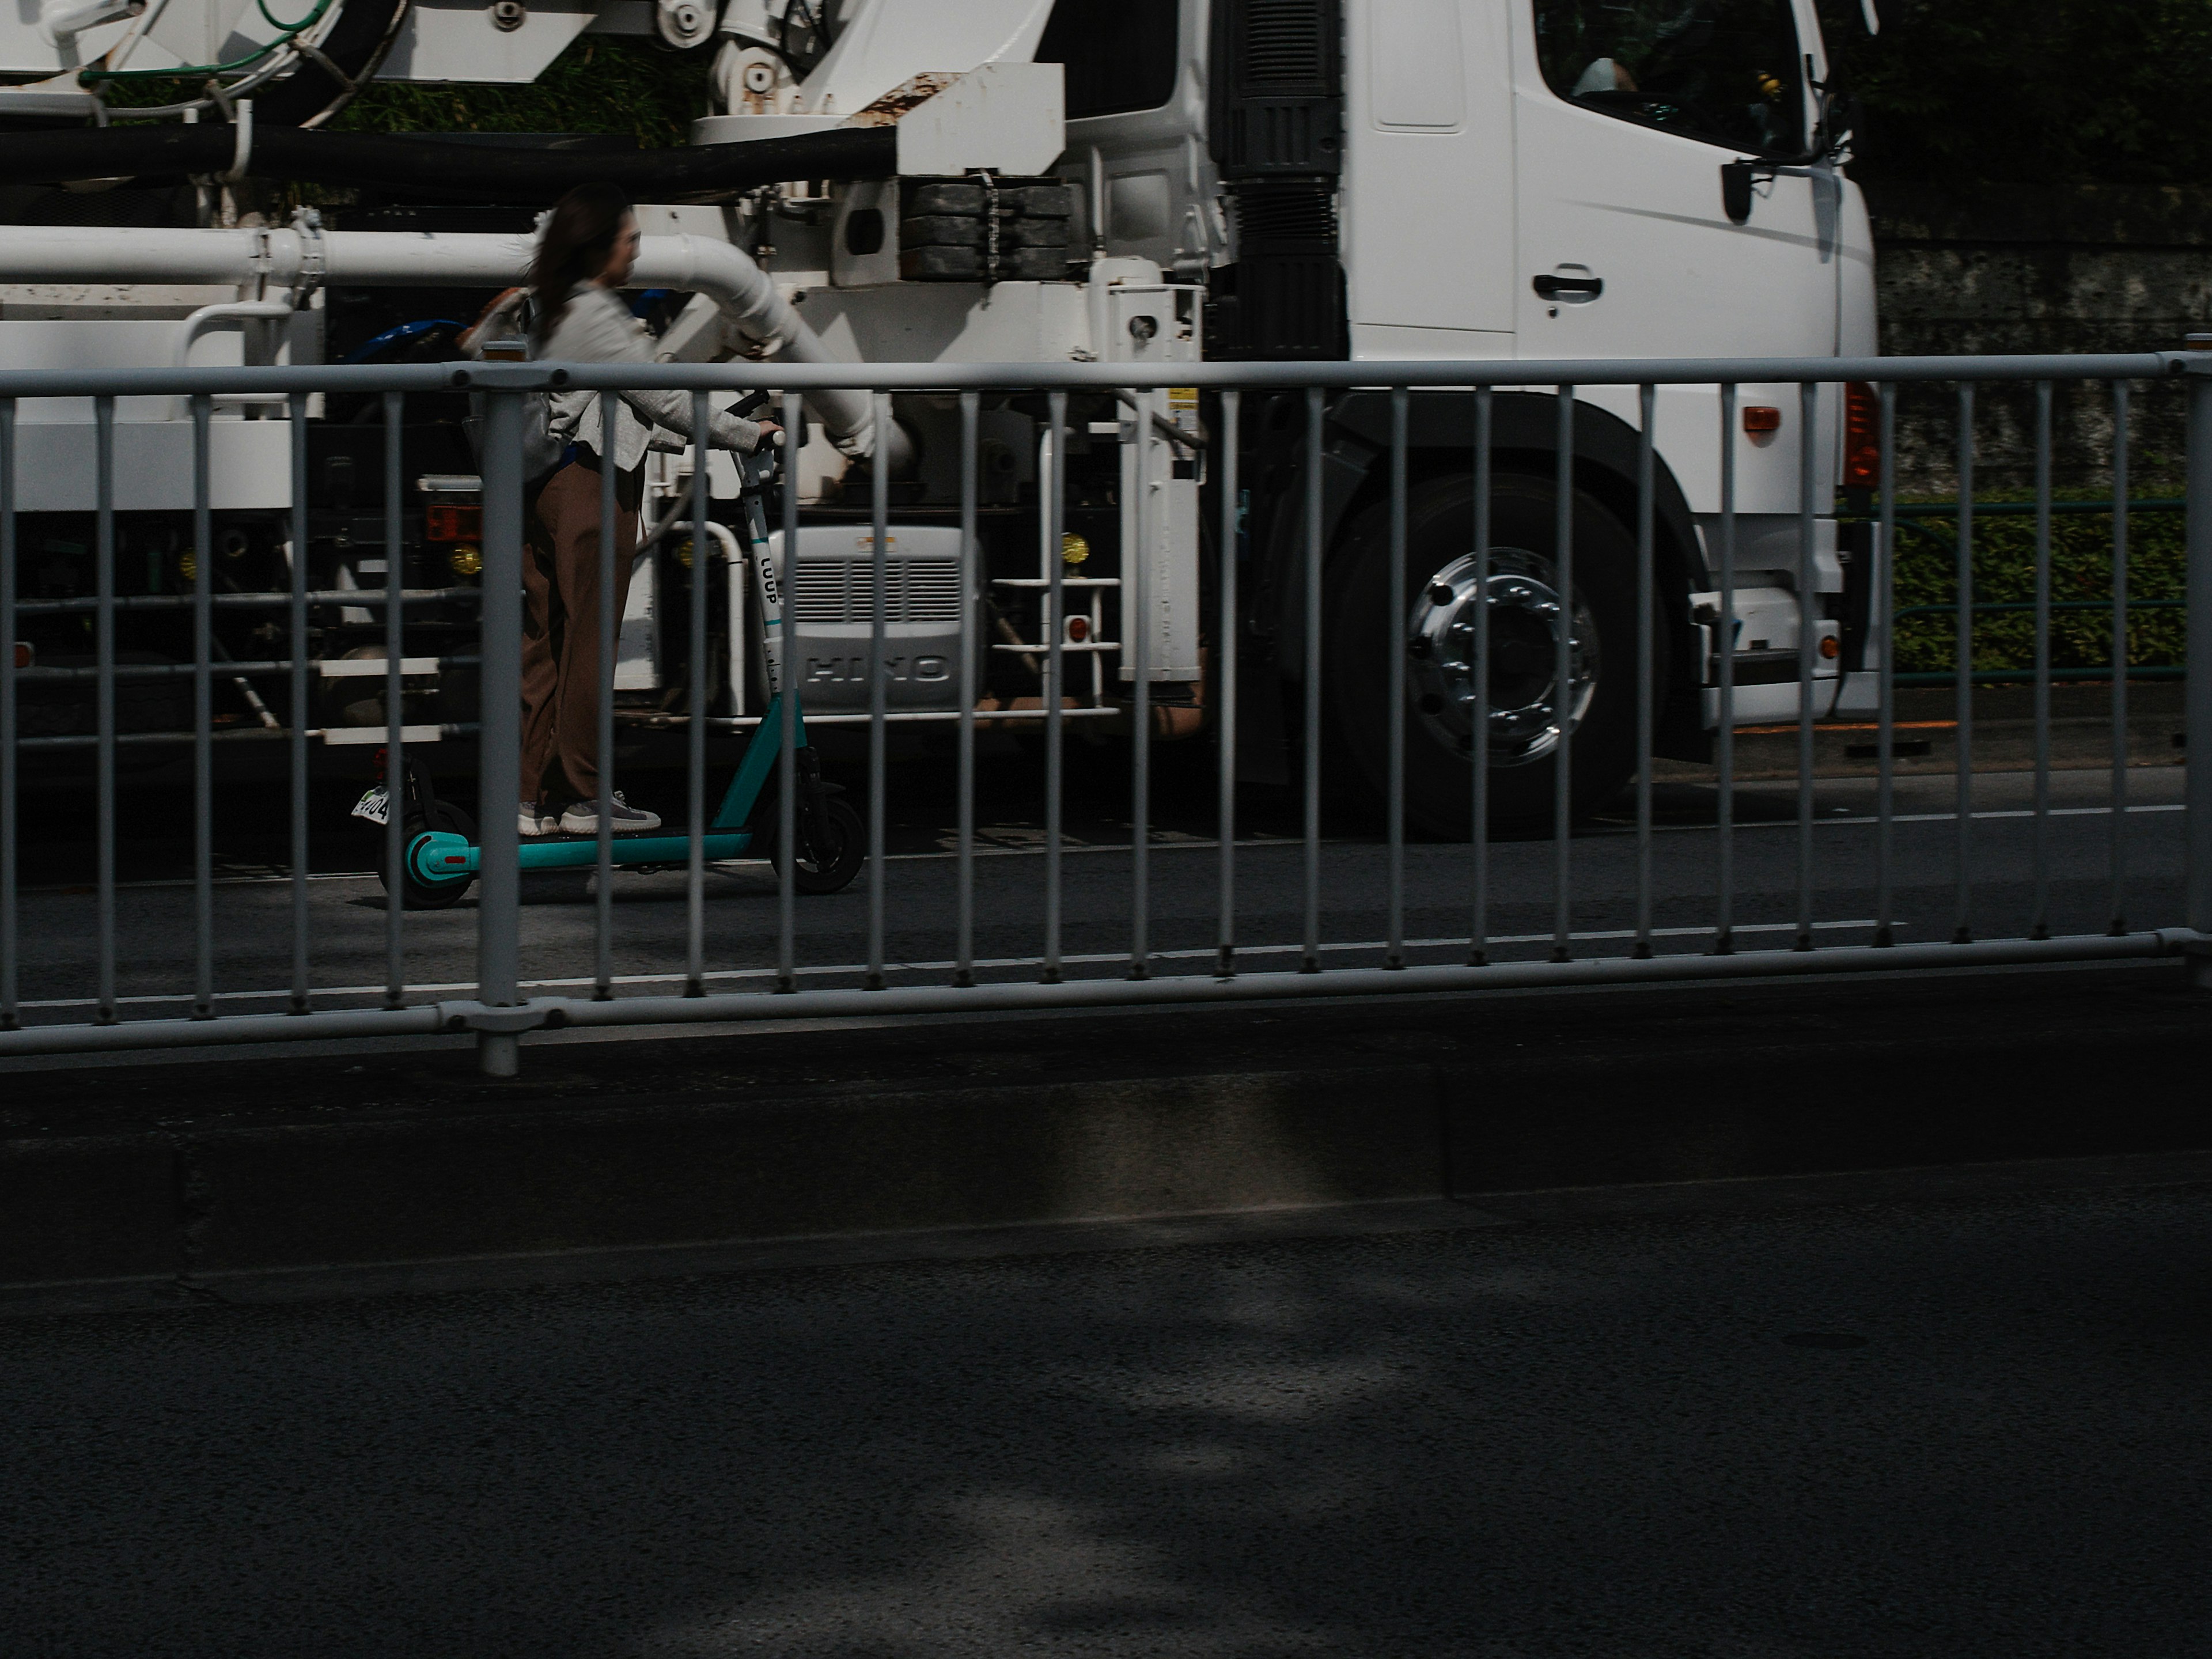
point(1961, 91)
point(2004, 572)
point(603, 83)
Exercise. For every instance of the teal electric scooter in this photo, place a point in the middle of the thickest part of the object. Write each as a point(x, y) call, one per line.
point(440, 860)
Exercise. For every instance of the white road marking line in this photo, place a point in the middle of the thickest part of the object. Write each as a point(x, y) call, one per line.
point(1179, 845)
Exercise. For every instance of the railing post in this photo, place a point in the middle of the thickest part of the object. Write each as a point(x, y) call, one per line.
point(499, 763)
point(2197, 693)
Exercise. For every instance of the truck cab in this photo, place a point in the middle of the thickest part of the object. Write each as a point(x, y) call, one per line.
point(1548, 180)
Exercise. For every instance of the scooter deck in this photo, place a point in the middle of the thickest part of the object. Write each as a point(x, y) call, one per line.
point(567, 852)
point(440, 855)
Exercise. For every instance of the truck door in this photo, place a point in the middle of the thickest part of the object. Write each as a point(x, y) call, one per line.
point(1626, 112)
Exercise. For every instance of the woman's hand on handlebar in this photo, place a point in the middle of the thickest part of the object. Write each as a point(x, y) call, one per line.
point(771, 435)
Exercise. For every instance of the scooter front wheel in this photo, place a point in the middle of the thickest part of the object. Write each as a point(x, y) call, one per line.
point(828, 868)
point(417, 894)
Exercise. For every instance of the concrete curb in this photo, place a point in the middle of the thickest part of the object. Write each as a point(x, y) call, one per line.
point(164, 1184)
point(188, 1206)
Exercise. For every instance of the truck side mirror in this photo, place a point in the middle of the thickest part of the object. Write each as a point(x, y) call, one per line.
point(1735, 191)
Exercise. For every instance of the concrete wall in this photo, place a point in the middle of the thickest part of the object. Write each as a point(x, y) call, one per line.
point(2023, 268)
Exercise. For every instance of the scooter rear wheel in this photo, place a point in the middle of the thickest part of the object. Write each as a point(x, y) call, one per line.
point(828, 869)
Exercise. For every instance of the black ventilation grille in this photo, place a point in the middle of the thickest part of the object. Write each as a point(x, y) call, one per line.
point(1286, 48)
point(1277, 95)
point(1277, 308)
point(1277, 127)
point(1300, 211)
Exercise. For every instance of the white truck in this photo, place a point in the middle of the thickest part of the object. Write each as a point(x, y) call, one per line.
point(1040, 181)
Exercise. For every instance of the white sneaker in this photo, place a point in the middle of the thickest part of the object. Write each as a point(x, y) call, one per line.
point(530, 821)
point(583, 819)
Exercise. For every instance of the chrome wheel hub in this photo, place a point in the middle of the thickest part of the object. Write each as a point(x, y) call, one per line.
point(1526, 617)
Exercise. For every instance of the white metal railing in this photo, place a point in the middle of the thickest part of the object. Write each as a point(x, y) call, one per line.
point(1723, 944)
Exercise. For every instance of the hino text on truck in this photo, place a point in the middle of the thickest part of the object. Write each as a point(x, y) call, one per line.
point(1037, 181)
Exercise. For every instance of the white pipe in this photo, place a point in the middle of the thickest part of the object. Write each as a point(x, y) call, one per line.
point(61, 20)
point(733, 564)
point(240, 311)
point(80, 253)
point(237, 311)
point(384, 258)
point(748, 296)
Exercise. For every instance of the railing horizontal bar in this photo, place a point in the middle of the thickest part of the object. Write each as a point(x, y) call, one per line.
point(2026, 509)
point(222, 601)
point(2010, 676)
point(160, 670)
point(1538, 374)
point(554, 1012)
point(242, 734)
point(434, 991)
point(2101, 606)
point(984, 716)
point(375, 595)
point(322, 1024)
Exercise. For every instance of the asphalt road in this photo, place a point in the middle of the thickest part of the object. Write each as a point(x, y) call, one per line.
point(1914, 1425)
point(348, 913)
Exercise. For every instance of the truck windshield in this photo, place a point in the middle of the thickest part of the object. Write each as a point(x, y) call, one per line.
point(1121, 55)
point(1727, 71)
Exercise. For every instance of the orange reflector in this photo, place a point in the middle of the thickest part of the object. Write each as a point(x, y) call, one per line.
point(457, 858)
point(25, 656)
point(1832, 647)
point(1761, 417)
point(1862, 436)
point(1079, 629)
point(447, 521)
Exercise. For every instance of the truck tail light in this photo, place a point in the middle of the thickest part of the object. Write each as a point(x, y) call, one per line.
point(447, 522)
point(1862, 436)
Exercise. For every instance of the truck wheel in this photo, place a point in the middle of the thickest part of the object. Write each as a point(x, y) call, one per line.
point(1437, 634)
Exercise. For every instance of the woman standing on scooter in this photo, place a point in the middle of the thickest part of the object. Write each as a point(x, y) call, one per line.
point(584, 256)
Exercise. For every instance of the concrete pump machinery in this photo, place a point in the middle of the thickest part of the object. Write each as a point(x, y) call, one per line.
point(1039, 181)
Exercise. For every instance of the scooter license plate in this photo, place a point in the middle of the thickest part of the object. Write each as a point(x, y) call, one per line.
point(375, 805)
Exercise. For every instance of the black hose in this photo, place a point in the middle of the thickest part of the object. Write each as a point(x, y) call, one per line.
point(356, 44)
point(437, 167)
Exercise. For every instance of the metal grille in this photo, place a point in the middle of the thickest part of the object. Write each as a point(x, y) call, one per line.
point(1284, 44)
point(832, 591)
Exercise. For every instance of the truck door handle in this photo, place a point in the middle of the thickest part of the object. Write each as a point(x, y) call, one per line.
point(1575, 291)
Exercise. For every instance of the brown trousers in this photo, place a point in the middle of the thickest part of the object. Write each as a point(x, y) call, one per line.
point(562, 675)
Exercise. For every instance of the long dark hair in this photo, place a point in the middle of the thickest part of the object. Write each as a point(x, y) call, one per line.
point(580, 233)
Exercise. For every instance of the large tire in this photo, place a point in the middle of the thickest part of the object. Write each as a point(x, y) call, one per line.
point(1437, 636)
